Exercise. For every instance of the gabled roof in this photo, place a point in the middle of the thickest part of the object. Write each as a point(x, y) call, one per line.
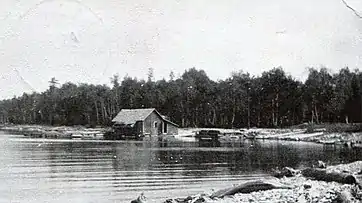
point(168, 121)
point(164, 118)
point(131, 116)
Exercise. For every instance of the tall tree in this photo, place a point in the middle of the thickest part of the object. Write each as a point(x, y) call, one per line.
point(274, 99)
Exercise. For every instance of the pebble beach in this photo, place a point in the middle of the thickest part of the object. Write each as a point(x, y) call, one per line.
point(301, 189)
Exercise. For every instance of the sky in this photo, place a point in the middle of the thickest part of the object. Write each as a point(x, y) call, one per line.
point(89, 41)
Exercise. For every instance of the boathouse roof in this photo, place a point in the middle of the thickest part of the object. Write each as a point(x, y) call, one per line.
point(131, 116)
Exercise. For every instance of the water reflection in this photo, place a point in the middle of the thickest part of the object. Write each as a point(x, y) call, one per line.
point(209, 144)
point(93, 171)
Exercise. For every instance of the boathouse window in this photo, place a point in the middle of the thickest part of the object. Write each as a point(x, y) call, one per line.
point(155, 124)
point(165, 127)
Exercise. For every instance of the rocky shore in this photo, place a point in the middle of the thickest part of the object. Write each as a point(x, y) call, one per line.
point(59, 132)
point(319, 135)
point(329, 134)
point(296, 188)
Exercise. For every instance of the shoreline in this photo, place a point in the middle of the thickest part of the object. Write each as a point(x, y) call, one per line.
point(57, 132)
point(319, 136)
point(292, 188)
point(301, 188)
point(347, 139)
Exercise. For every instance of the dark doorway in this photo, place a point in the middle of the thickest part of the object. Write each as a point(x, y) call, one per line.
point(164, 127)
point(159, 129)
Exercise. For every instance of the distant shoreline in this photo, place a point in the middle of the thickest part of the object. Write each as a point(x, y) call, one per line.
point(58, 132)
point(328, 134)
point(331, 134)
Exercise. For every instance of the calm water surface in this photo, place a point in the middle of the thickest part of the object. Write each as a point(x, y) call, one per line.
point(44, 170)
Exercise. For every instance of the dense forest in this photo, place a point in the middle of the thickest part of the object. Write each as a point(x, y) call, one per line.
point(274, 99)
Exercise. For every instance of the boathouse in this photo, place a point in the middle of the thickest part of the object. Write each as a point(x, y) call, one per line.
point(143, 122)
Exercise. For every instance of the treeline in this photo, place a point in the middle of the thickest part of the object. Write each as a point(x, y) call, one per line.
point(274, 99)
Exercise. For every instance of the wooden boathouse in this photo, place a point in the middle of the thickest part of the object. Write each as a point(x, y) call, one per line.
point(138, 123)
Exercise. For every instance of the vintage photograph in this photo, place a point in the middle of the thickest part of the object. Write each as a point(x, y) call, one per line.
point(180, 101)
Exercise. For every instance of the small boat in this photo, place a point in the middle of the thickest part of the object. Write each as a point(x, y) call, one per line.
point(250, 135)
point(76, 136)
point(327, 142)
point(87, 135)
point(230, 137)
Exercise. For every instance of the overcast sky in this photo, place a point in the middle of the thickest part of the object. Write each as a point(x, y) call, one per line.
point(91, 40)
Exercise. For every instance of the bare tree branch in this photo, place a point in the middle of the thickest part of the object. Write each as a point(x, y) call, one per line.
point(352, 9)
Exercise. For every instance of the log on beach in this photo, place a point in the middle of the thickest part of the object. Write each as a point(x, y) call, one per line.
point(285, 172)
point(249, 187)
point(322, 174)
point(140, 199)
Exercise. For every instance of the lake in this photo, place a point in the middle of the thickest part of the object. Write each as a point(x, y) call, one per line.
point(50, 170)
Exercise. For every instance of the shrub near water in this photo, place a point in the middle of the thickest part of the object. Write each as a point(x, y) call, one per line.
point(344, 127)
point(335, 127)
point(310, 128)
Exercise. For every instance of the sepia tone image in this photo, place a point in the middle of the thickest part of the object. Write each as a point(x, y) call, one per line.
point(180, 101)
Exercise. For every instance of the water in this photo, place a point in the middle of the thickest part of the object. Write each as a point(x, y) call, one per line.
point(44, 170)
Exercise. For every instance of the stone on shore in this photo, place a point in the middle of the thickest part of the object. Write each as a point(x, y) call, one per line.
point(300, 189)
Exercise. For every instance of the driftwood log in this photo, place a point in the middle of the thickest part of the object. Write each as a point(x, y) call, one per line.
point(248, 187)
point(285, 172)
point(140, 199)
point(262, 185)
point(322, 174)
point(180, 200)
